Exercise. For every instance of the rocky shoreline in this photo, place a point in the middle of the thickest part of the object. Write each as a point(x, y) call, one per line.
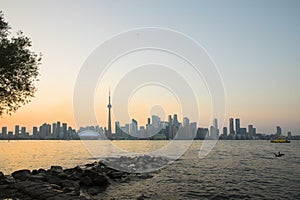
point(80, 182)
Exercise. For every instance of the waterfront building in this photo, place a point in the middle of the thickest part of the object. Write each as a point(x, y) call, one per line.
point(231, 126)
point(237, 126)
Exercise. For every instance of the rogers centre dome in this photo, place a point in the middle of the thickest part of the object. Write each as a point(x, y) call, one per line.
point(90, 135)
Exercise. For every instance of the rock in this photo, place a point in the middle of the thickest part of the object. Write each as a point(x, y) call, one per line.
point(57, 169)
point(90, 173)
point(34, 172)
point(43, 171)
point(85, 180)
point(21, 174)
point(2, 175)
point(96, 178)
point(53, 179)
point(70, 184)
point(72, 170)
point(62, 175)
point(37, 178)
point(101, 180)
point(90, 165)
point(141, 197)
point(93, 191)
point(116, 175)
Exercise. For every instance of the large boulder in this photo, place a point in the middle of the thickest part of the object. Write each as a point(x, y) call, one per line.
point(21, 174)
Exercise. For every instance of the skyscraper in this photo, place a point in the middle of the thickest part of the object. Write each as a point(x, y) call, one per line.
point(109, 116)
point(251, 130)
point(231, 126)
point(175, 121)
point(23, 132)
point(186, 121)
point(278, 130)
point(4, 131)
point(237, 126)
point(133, 127)
point(216, 123)
point(17, 131)
point(155, 121)
point(225, 131)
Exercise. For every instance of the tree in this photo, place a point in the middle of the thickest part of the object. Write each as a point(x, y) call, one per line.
point(18, 69)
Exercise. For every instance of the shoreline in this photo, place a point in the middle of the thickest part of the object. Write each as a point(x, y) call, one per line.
point(88, 181)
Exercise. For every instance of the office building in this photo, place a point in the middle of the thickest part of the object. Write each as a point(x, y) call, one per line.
point(231, 126)
point(237, 126)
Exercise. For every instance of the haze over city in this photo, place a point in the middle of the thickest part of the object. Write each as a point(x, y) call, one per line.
point(255, 45)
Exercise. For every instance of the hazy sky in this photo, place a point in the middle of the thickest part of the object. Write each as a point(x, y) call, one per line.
point(255, 44)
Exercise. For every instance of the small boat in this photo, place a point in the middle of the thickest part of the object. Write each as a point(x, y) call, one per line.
point(280, 139)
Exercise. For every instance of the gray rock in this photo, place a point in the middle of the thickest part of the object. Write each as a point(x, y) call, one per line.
point(101, 180)
point(93, 191)
point(43, 171)
point(85, 180)
point(53, 179)
point(21, 174)
point(2, 175)
point(71, 184)
point(56, 169)
point(37, 178)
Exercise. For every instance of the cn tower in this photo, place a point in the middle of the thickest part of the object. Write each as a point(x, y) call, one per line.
point(109, 116)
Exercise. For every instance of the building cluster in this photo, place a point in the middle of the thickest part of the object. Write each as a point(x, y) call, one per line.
point(155, 129)
point(56, 131)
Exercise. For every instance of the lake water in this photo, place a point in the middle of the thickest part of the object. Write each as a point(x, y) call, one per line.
point(232, 170)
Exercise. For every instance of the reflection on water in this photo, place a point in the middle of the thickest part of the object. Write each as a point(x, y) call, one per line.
point(232, 170)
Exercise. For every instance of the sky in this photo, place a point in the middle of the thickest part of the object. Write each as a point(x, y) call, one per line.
point(254, 44)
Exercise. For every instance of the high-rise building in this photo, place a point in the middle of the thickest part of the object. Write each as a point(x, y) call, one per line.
point(109, 116)
point(45, 130)
point(251, 130)
point(133, 126)
point(175, 121)
point(186, 121)
point(216, 123)
point(148, 121)
point(170, 120)
point(278, 130)
point(17, 131)
point(35, 131)
point(225, 131)
point(4, 131)
point(237, 126)
point(118, 129)
point(54, 126)
point(231, 126)
point(155, 121)
point(58, 129)
point(289, 134)
point(64, 131)
point(23, 132)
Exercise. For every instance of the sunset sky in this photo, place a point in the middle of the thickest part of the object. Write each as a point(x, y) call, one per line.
point(255, 45)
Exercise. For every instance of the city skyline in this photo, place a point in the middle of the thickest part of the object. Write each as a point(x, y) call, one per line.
point(59, 127)
point(255, 46)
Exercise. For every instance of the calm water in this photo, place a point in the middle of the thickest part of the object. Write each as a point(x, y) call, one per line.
point(232, 170)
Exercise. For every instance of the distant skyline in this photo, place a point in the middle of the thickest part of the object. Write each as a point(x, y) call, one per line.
point(255, 44)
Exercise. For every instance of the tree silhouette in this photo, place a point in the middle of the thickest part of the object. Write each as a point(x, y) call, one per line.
point(18, 69)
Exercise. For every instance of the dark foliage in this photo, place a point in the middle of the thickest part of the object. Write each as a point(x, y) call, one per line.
point(18, 69)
